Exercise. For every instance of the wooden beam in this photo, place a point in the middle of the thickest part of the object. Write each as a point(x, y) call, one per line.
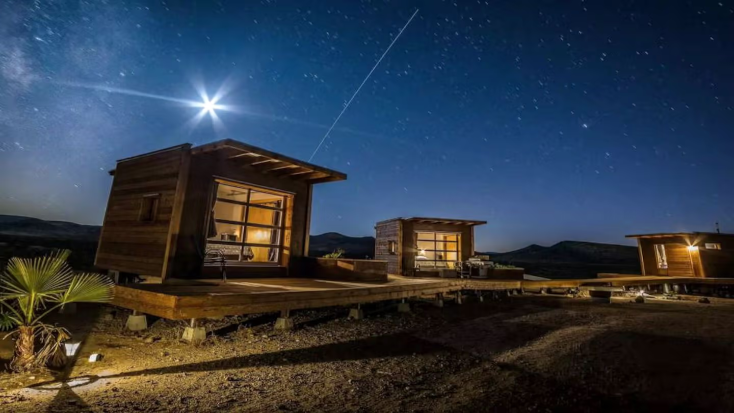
point(266, 160)
point(239, 155)
point(278, 167)
point(311, 176)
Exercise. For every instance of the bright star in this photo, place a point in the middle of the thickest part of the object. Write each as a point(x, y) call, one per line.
point(209, 106)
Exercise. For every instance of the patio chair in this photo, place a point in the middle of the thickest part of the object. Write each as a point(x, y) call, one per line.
point(216, 256)
point(462, 270)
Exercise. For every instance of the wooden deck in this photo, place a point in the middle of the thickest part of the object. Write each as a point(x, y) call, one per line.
point(200, 299)
point(212, 298)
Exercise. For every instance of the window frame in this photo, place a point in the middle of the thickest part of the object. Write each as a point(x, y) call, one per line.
point(149, 206)
point(448, 263)
point(279, 229)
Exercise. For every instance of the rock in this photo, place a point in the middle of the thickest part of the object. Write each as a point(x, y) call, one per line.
point(704, 300)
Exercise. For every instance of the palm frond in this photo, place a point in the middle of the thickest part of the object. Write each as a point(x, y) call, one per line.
point(7, 321)
point(37, 277)
point(90, 288)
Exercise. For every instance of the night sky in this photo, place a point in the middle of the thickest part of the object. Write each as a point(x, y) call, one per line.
point(583, 120)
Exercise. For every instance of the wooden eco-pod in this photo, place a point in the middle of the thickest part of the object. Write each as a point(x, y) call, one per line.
point(687, 254)
point(421, 246)
point(168, 209)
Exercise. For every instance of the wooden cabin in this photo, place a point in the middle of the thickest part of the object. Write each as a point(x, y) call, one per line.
point(422, 246)
point(177, 213)
point(691, 254)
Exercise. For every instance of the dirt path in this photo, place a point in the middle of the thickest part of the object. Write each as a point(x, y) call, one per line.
point(525, 354)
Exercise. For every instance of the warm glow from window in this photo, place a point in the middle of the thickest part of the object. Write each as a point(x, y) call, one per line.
point(712, 246)
point(660, 256)
point(247, 223)
point(437, 249)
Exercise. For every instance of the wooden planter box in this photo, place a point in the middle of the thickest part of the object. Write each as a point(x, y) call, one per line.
point(346, 269)
point(505, 273)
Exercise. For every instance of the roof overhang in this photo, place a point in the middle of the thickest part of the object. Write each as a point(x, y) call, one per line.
point(677, 234)
point(269, 162)
point(446, 221)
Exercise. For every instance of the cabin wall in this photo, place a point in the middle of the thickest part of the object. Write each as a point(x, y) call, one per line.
point(384, 233)
point(127, 243)
point(717, 263)
point(205, 168)
point(408, 243)
point(682, 262)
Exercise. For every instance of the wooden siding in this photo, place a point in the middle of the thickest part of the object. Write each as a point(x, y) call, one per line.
point(126, 243)
point(679, 260)
point(384, 233)
point(682, 262)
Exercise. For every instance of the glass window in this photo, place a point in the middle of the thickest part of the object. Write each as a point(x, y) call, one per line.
point(232, 193)
point(426, 236)
point(149, 208)
point(660, 256)
point(712, 246)
point(263, 216)
point(229, 212)
point(228, 232)
point(248, 223)
point(436, 249)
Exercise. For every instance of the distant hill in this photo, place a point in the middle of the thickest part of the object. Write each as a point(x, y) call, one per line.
point(34, 227)
point(24, 236)
point(572, 259)
point(354, 247)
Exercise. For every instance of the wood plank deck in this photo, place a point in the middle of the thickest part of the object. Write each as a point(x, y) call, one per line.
point(212, 298)
point(260, 295)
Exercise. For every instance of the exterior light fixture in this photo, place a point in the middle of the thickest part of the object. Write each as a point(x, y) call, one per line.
point(71, 348)
point(692, 248)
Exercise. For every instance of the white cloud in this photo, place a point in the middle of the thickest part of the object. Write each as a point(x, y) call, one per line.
point(16, 67)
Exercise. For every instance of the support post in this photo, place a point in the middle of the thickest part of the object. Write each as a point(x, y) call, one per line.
point(194, 333)
point(439, 300)
point(459, 297)
point(284, 322)
point(403, 306)
point(356, 313)
point(136, 322)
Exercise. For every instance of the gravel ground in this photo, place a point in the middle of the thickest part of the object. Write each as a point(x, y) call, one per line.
point(527, 353)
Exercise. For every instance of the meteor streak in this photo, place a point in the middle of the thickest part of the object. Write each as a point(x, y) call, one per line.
point(360, 86)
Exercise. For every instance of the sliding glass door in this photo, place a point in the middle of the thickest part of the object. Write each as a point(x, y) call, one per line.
point(247, 223)
point(437, 249)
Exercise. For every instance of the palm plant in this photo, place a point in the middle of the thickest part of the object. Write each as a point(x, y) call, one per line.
point(30, 289)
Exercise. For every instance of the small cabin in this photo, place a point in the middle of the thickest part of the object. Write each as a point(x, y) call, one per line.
point(421, 246)
point(692, 254)
point(182, 212)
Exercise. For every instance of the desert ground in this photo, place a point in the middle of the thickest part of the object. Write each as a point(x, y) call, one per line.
point(522, 353)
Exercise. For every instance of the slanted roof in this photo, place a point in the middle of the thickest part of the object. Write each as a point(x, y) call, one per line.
point(677, 234)
point(450, 221)
point(266, 161)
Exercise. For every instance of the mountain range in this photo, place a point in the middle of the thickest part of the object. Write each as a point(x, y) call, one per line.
point(24, 236)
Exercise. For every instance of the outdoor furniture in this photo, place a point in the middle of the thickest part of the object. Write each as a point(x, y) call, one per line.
point(216, 256)
point(463, 270)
